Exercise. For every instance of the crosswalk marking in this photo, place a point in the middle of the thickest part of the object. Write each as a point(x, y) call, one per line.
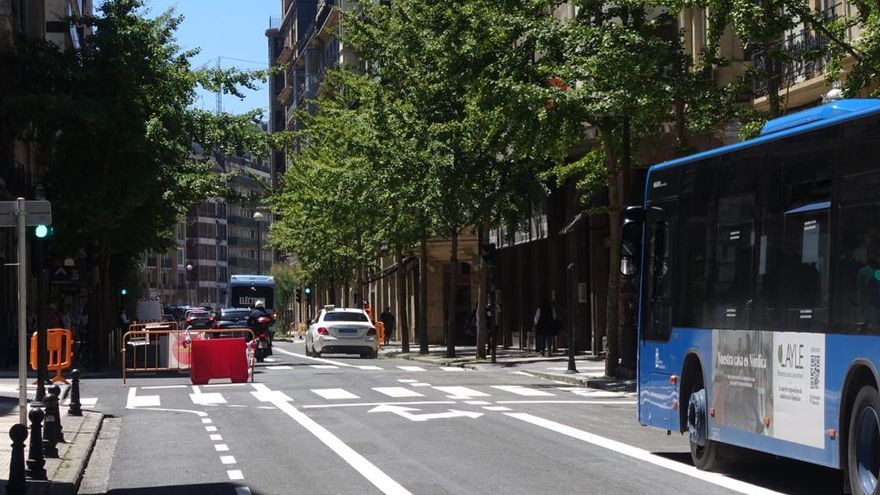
point(206, 399)
point(407, 380)
point(334, 393)
point(592, 393)
point(324, 366)
point(477, 402)
point(452, 368)
point(411, 368)
point(461, 392)
point(397, 392)
point(496, 408)
point(279, 367)
point(374, 368)
point(421, 384)
point(523, 391)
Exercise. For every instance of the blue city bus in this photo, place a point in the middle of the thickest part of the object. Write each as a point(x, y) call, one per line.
point(759, 294)
point(245, 290)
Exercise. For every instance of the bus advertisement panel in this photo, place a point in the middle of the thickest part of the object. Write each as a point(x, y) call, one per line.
point(245, 290)
point(759, 293)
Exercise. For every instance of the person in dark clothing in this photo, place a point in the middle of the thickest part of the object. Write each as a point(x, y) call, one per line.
point(260, 311)
point(545, 325)
point(387, 319)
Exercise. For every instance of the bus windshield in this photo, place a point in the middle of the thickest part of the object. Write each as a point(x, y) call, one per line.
point(245, 296)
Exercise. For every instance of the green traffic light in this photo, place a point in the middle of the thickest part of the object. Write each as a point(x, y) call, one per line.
point(308, 290)
point(41, 231)
point(123, 292)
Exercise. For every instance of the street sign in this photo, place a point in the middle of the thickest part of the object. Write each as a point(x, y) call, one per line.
point(39, 212)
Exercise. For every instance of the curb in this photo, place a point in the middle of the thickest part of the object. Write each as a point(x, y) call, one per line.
point(69, 475)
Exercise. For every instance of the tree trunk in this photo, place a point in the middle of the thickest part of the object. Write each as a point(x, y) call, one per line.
point(615, 203)
point(453, 278)
point(402, 313)
point(483, 295)
point(771, 64)
point(107, 318)
point(423, 295)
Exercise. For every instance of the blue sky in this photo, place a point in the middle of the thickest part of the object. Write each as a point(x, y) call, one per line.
point(234, 31)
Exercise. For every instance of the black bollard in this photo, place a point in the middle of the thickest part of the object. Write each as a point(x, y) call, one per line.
point(17, 484)
point(59, 433)
point(50, 435)
point(36, 463)
point(75, 408)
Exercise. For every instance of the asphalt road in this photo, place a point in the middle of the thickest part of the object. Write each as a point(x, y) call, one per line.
point(344, 425)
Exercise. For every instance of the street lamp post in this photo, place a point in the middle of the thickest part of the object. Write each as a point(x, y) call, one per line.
point(258, 217)
point(189, 269)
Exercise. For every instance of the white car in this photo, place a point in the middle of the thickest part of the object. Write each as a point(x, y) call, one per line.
point(342, 331)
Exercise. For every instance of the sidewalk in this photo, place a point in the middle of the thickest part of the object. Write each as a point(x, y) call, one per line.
point(590, 369)
point(80, 433)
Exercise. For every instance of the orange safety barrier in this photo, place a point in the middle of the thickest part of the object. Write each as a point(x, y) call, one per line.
point(59, 351)
point(218, 358)
point(154, 348)
point(380, 331)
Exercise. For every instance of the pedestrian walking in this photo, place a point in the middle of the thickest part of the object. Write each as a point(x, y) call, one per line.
point(545, 325)
point(387, 319)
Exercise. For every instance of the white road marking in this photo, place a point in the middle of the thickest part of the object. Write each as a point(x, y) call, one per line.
point(207, 421)
point(210, 428)
point(207, 399)
point(411, 368)
point(452, 368)
point(221, 447)
point(477, 402)
point(496, 408)
point(216, 438)
point(196, 389)
point(334, 393)
point(597, 393)
point(271, 359)
point(371, 368)
point(643, 455)
point(216, 385)
point(143, 401)
point(320, 360)
point(410, 414)
point(367, 469)
point(421, 384)
point(227, 459)
point(524, 391)
point(161, 387)
point(267, 407)
point(264, 394)
point(324, 366)
point(279, 367)
point(461, 392)
point(374, 404)
point(407, 380)
point(234, 474)
point(397, 392)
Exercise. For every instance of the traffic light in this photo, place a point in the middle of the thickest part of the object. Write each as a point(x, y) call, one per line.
point(298, 295)
point(122, 294)
point(308, 295)
point(41, 231)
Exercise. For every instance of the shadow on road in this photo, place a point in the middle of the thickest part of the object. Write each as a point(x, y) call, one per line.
point(778, 474)
point(200, 489)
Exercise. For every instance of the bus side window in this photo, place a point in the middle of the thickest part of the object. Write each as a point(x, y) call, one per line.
point(659, 278)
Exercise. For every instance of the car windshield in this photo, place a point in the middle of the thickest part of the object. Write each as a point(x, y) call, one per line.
point(345, 316)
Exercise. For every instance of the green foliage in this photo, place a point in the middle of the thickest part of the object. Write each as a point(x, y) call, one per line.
point(287, 279)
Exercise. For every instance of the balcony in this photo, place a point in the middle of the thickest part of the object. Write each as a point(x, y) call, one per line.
point(242, 242)
point(328, 16)
point(804, 51)
point(284, 57)
point(310, 88)
point(285, 95)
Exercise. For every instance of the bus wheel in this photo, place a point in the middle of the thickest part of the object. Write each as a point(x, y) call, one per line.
point(704, 452)
point(863, 452)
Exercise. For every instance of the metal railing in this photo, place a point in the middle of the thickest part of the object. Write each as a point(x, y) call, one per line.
point(161, 347)
point(800, 56)
point(274, 22)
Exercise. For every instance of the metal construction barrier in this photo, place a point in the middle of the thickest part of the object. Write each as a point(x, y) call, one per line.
point(146, 348)
point(59, 352)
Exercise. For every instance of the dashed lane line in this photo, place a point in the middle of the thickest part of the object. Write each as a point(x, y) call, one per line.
point(227, 459)
point(397, 392)
point(221, 447)
point(411, 368)
point(643, 455)
point(235, 475)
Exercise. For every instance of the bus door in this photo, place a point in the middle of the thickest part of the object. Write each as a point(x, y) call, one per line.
point(655, 406)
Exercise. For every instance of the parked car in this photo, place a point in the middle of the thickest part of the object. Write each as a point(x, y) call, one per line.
point(198, 318)
point(342, 331)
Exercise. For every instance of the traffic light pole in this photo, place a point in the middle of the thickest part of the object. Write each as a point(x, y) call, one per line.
point(42, 297)
point(21, 211)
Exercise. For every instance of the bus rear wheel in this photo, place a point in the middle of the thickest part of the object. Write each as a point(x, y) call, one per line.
point(863, 441)
point(705, 453)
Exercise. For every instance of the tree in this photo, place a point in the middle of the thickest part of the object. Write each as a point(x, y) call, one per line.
point(117, 114)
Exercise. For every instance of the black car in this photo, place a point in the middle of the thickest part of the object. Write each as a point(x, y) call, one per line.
point(198, 318)
point(231, 318)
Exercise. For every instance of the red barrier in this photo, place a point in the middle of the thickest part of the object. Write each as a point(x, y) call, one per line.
point(218, 358)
